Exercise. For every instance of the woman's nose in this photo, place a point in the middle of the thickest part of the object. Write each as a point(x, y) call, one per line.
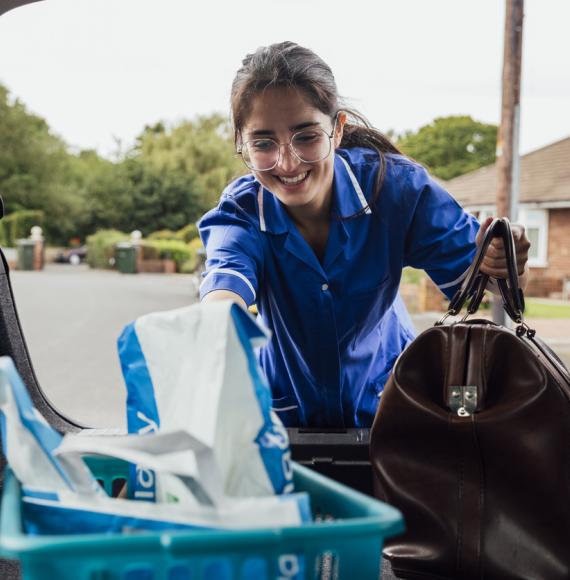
point(288, 161)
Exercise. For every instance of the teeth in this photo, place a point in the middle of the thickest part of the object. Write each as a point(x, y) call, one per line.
point(293, 180)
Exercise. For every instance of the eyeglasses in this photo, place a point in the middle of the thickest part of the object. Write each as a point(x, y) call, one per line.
point(308, 146)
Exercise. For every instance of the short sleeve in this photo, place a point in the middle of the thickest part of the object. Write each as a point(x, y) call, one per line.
point(441, 238)
point(234, 252)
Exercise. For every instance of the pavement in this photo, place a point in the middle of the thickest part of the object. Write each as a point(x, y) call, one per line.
point(72, 317)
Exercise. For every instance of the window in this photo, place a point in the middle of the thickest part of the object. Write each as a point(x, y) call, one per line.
point(485, 212)
point(536, 224)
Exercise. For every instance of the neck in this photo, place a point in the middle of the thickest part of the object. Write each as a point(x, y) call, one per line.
point(314, 214)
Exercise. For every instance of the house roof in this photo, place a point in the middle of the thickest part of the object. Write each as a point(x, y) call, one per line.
point(544, 177)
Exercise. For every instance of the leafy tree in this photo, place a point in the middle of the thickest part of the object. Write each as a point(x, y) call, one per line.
point(178, 173)
point(34, 166)
point(166, 181)
point(105, 191)
point(451, 146)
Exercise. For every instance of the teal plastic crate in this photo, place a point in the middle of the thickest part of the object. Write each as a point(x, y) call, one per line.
point(346, 543)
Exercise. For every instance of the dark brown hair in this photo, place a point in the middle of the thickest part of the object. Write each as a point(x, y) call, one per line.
point(288, 65)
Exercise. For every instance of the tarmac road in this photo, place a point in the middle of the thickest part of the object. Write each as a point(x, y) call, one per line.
point(72, 317)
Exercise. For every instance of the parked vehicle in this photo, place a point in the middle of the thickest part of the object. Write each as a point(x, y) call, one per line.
point(73, 256)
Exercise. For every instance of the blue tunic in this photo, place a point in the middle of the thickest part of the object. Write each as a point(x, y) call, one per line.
point(337, 325)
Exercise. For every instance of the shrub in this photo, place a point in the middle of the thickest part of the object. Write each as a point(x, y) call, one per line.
point(199, 254)
point(150, 250)
point(168, 249)
point(412, 276)
point(188, 233)
point(196, 244)
point(163, 235)
point(18, 224)
point(101, 247)
point(188, 266)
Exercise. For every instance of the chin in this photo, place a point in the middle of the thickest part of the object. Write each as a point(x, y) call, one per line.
point(293, 199)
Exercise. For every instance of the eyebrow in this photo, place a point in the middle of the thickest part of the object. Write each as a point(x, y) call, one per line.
point(299, 127)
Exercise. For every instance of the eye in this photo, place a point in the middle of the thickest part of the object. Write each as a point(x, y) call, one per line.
point(307, 137)
point(261, 145)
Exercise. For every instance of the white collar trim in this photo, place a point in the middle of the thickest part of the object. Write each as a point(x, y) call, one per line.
point(356, 186)
point(353, 180)
point(262, 226)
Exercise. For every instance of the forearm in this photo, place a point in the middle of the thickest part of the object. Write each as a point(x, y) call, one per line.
point(224, 295)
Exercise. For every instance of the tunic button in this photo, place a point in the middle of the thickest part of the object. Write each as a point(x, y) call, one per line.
point(324, 287)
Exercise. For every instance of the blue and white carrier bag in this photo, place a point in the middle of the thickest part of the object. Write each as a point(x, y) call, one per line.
point(195, 369)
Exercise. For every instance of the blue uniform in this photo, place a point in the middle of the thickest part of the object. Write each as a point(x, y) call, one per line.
point(338, 325)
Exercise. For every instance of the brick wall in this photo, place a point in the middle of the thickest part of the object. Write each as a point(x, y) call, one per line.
point(550, 280)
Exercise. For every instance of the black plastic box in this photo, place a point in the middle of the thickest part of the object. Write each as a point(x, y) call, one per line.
point(341, 454)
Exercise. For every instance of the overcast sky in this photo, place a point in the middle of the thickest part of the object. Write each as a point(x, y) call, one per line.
point(99, 70)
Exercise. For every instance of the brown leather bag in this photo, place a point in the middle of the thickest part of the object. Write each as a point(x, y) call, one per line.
point(471, 442)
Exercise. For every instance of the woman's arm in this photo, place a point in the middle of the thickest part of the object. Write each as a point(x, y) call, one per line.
point(224, 295)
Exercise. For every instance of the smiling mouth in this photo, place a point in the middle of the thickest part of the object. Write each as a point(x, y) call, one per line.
point(293, 180)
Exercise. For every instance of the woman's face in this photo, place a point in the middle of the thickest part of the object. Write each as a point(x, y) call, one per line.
point(279, 113)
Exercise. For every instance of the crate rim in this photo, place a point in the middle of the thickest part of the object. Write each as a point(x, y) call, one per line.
point(381, 518)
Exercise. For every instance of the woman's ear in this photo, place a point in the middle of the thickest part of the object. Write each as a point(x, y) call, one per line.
point(339, 128)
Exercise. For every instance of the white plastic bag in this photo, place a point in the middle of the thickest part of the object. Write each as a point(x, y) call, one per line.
point(180, 456)
point(60, 495)
point(28, 440)
point(195, 369)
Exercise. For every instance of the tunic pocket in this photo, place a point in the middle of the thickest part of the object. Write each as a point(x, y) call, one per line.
point(287, 410)
point(367, 405)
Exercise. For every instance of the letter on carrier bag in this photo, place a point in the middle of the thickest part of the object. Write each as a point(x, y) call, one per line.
point(195, 369)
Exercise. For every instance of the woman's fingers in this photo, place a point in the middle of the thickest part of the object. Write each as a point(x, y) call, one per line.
point(495, 261)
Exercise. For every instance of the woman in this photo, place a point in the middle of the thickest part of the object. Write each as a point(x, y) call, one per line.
point(317, 236)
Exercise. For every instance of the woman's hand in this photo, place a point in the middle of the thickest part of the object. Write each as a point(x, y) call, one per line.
point(495, 262)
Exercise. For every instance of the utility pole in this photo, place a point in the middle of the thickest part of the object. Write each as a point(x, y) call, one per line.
point(507, 163)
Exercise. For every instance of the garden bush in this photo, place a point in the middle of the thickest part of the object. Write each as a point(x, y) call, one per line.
point(150, 250)
point(175, 250)
point(17, 225)
point(163, 235)
point(101, 247)
point(188, 233)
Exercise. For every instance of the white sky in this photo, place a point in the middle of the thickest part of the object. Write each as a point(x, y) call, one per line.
point(101, 69)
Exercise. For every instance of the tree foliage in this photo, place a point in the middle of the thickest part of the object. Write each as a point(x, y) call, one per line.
point(451, 146)
point(172, 174)
point(165, 181)
point(34, 168)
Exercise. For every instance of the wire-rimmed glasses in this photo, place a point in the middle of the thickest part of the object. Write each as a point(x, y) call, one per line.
point(308, 146)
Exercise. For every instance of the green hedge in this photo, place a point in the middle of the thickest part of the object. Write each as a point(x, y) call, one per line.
point(101, 247)
point(183, 254)
point(163, 235)
point(187, 233)
point(17, 225)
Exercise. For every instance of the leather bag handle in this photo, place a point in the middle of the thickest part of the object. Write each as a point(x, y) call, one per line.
point(475, 282)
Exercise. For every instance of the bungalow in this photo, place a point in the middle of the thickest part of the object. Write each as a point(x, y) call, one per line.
point(544, 209)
